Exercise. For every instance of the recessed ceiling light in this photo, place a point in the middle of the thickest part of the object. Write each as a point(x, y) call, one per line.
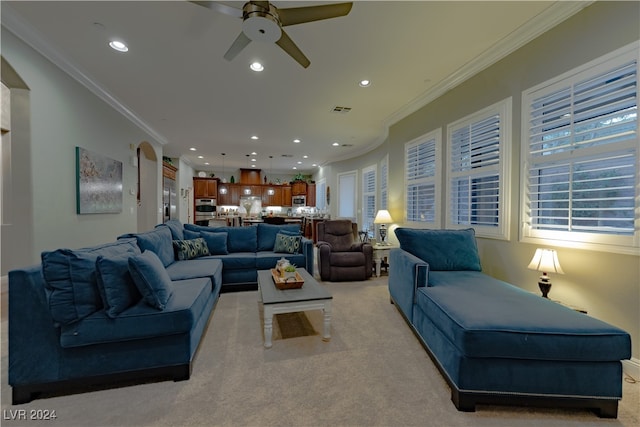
point(299, 162)
point(305, 157)
point(207, 163)
point(254, 154)
point(201, 157)
point(314, 164)
point(118, 45)
point(365, 83)
point(253, 166)
point(253, 160)
point(192, 149)
point(335, 144)
point(254, 137)
point(294, 167)
point(297, 141)
point(256, 66)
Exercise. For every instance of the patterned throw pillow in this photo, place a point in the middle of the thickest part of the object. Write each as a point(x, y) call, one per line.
point(188, 249)
point(287, 244)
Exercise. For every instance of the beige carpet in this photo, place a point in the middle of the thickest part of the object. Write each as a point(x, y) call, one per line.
point(373, 372)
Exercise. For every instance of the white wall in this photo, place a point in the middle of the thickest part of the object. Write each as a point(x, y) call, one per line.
point(606, 284)
point(62, 115)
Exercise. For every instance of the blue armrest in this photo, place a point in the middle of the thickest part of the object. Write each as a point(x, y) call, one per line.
point(407, 274)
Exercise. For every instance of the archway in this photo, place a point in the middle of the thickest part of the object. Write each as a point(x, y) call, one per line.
point(147, 187)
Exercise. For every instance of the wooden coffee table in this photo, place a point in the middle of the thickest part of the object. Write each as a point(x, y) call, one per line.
point(311, 296)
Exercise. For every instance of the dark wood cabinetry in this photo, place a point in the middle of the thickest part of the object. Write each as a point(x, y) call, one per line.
point(250, 176)
point(205, 188)
point(299, 188)
point(229, 194)
point(286, 195)
point(311, 194)
point(272, 196)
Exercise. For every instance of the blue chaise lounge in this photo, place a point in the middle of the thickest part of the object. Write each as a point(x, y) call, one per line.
point(496, 343)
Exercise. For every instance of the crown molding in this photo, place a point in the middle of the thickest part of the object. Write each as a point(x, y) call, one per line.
point(543, 22)
point(16, 25)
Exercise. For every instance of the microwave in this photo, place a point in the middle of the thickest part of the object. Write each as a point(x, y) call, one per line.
point(298, 201)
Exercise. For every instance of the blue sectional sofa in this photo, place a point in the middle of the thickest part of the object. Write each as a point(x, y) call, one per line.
point(132, 309)
point(496, 343)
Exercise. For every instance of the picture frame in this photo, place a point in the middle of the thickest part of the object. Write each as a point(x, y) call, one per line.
point(98, 183)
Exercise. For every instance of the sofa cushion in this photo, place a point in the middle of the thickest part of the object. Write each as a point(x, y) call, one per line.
point(443, 250)
point(287, 244)
point(188, 249)
point(216, 242)
point(190, 234)
point(117, 289)
point(158, 240)
point(151, 278)
point(141, 321)
point(487, 318)
point(239, 239)
point(267, 234)
point(237, 261)
point(71, 279)
point(177, 230)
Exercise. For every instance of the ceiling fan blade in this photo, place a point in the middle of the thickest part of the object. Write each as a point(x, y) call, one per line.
point(290, 47)
point(219, 7)
point(238, 44)
point(299, 15)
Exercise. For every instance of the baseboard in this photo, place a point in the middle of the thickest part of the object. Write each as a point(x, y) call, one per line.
point(632, 368)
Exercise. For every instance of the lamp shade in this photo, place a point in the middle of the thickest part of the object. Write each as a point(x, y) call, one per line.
point(546, 260)
point(383, 217)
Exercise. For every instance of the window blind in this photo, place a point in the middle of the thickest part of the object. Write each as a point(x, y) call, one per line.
point(420, 161)
point(583, 159)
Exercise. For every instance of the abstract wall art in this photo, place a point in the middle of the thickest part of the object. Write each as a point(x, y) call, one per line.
point(98, 183)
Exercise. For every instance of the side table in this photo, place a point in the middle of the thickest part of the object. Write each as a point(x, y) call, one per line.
point(381, 251)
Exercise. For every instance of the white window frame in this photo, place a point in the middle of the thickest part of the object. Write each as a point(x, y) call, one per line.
point(627, 244)
point(383, 200)
point(433, 138)
point(502, 168)
point(366, 217)
point(348, 195)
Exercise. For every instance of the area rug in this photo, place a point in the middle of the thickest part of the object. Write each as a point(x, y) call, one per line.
point(292, 325)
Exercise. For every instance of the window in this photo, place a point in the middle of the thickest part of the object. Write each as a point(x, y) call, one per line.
point(478, 162)
point(421, 178)
point(368, 199)
point(384, 179)
point(580, 142)
point(347, 195)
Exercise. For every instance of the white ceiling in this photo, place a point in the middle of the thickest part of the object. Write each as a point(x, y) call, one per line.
point(176, 85)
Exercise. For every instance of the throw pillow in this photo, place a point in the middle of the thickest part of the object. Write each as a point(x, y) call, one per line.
point(189, 249)
point(190, 235)
point(116, 285)
point(151, 279)
point(287, 244)
point(443, 250)
point(159, 241)
point(216, 242)
point(71, 279)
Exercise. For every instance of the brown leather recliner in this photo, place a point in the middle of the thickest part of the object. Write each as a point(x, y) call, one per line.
point(340, 256)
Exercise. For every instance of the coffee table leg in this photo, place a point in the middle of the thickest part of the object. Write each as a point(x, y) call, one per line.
point(326, 336)
point(268, 326)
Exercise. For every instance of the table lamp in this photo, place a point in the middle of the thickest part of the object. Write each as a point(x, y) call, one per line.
point(383, 218)
point(545, 260)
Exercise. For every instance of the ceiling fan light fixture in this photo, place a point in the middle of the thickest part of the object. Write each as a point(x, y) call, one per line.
point(257, 67)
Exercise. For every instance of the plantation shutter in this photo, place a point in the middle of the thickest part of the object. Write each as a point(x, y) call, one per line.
point(475, 173)
point(420, 177)
point(583, 160)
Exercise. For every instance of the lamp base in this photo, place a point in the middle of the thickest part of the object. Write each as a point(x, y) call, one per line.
point(383, 234)
point(545, 285)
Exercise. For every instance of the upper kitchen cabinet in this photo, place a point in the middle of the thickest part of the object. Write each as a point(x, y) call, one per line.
point(299, 188)
point(311, 195)
point(205, 188)
point(250, 176)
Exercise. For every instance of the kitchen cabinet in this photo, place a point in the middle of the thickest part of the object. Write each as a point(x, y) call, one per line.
point(286, 195)
point(228, 195)
point(205, 188)
point(272, 195)
point(250, 176)
point(311, 195)
point(299, 188)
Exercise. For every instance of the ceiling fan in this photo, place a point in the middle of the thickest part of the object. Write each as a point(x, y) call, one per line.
point(262, 21)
